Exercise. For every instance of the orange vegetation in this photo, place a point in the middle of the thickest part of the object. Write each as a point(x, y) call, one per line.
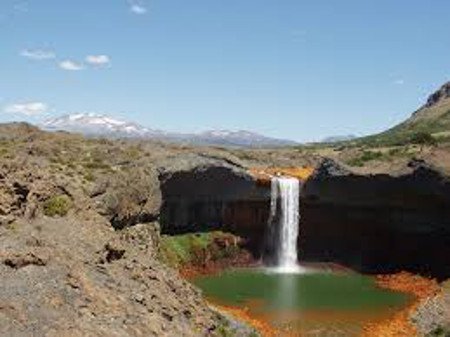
point(264, 175)
point(399, 325)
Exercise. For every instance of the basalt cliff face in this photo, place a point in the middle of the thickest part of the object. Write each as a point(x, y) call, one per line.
point(214, 196)
point(374, 223)
point(377, 223)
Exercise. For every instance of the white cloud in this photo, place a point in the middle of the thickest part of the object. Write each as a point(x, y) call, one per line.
point(71, 65)
point(28, 109)
point(98, 60)
point(38, 54)
point(137, 7)
point(399, 81)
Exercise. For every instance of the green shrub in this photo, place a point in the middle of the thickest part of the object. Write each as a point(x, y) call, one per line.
point(440, 332)
point(224, 331)
point(395, 152)
point(57, 205)
point(89, 176)
point(3, 152)
point(195, 248)
point(364, 157)
point(422, 138)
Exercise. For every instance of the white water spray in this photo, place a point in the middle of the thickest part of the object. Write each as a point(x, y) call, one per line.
point(284, 214)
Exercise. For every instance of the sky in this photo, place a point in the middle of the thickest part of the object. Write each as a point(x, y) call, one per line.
point(293, 69)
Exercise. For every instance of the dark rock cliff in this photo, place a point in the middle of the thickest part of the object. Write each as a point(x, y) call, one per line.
point(214, 196)
point(438, 96)
point(377, 223)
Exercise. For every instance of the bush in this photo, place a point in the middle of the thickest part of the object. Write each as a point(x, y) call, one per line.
point(422, 138)
point(365, 157)
point(57, 205)
point(439, 332)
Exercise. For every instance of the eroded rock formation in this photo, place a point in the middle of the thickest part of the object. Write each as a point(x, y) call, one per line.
point(217, 196)
point(377, 223)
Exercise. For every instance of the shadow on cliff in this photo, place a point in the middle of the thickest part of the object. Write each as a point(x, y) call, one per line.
point(378, 223)
point(209, 198)
point(372, 223)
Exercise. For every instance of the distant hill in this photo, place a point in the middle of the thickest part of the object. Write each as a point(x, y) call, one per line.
point(433, 118)
point(95, 125)
point(337, 139)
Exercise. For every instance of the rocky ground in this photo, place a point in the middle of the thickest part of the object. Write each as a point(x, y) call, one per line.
point(80, 249)
point(432, 317)
point(79, 278)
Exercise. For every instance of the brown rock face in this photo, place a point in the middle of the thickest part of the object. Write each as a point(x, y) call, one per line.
point(66, 277)
point(377, 223)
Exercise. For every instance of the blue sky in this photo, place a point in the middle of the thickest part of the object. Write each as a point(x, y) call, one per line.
point(293, 69)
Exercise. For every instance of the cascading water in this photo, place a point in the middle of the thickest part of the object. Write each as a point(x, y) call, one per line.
point(284, 217)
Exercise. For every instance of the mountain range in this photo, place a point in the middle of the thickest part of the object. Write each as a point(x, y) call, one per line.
point(96, 125)
point(432, 119)
point(338, 138)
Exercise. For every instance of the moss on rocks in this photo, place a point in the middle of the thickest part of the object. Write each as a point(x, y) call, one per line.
point(199, 249)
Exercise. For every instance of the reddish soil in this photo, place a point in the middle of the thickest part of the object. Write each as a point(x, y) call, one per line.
point(400, 325)
point(263, 176)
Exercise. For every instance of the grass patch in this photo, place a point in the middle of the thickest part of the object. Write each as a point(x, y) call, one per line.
point(195, 249)
point(423, 132)
point(383, 154)
point(179, 249)
point(366, 156)
point(58, 205)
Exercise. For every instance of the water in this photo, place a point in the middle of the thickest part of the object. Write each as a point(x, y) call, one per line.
point(284, 216)
point(305, 303)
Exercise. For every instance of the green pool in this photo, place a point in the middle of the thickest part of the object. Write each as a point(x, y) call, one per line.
point(339, 302)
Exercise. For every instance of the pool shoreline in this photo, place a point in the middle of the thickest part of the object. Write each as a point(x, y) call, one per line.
point(399, 324)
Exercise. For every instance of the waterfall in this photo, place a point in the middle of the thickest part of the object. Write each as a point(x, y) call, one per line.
point(284, 218)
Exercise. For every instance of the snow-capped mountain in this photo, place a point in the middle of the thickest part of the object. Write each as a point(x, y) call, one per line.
point(98, 125)
point(93, 125)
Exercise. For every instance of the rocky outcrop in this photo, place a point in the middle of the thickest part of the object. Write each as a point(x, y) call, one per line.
point(438, 96)
point(213, 196)
point(128, 198)
point(377, 223)
point(79, 250)
point(432, 316)
point(66, 277)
